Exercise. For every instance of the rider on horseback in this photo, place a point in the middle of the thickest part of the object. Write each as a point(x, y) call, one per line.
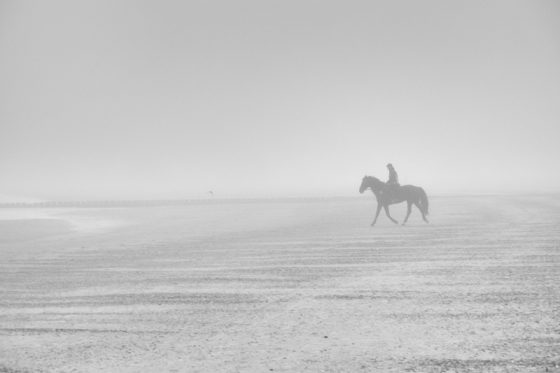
point(393, 182)
point(393, 177)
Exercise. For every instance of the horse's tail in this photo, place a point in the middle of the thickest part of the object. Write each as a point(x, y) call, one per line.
point(424, 201)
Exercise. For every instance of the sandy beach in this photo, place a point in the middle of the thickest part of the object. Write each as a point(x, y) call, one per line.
point(283, 286)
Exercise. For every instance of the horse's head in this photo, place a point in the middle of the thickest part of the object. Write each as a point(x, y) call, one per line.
point(370, 182)
point(365, 184)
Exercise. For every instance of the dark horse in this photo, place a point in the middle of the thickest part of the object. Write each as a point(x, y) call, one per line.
point(387, 196)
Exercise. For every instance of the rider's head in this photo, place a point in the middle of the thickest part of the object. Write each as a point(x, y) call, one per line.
point(389, 166)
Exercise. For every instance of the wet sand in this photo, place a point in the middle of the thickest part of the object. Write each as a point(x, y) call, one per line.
point(301, 286)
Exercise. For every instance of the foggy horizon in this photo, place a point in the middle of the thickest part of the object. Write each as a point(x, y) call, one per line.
point(146, 197)
point(171, 100)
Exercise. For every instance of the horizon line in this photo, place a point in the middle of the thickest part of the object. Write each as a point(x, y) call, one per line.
point(234, 199)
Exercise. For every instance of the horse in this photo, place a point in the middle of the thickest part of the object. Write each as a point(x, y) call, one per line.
point(386, 196)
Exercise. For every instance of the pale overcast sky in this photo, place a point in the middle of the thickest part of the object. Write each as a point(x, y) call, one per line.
point(170, 99)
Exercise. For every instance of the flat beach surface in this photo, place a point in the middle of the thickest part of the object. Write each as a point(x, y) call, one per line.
point(282, 286)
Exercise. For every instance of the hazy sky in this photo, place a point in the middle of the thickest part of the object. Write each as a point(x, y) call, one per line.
point(170, 99)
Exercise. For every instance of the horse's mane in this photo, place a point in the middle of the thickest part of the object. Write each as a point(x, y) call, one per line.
point(373, 178)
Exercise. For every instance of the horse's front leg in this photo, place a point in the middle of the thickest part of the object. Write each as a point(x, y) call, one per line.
point(389, 215)
point(376, 214)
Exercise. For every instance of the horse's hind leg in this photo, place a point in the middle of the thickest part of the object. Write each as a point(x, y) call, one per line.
point(421, 211)
point(389, 215)
point(408, 211)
